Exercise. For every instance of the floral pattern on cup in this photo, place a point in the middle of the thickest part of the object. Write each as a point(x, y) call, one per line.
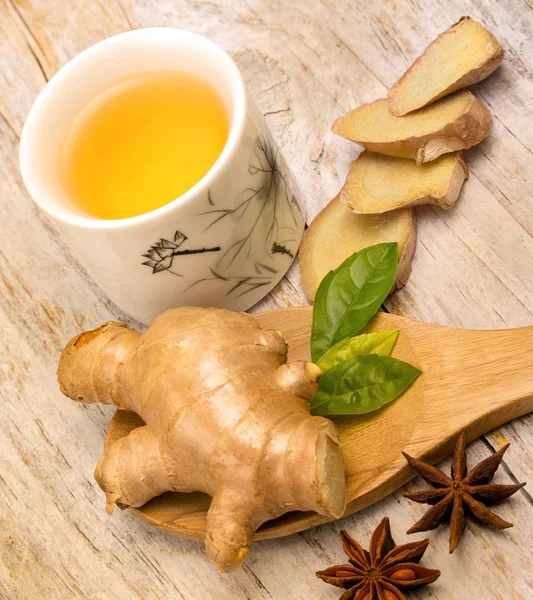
point(161, 255)
point(263, 250)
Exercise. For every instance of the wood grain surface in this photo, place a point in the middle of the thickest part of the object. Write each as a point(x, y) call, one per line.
point(305, 62)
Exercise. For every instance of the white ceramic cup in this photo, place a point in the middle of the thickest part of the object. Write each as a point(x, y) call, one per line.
point(226, 242)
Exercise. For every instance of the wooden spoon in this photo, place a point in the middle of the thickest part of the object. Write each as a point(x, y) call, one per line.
point(473, 380)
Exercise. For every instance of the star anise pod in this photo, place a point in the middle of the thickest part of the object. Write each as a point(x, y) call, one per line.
point(460, 494)
point(383, 572)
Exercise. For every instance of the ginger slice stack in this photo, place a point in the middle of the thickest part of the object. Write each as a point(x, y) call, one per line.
point(413, 144)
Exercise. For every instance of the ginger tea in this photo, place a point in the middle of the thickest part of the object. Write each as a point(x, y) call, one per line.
point(143, 143)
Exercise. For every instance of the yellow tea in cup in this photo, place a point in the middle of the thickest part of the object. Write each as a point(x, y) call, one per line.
point(143, 143)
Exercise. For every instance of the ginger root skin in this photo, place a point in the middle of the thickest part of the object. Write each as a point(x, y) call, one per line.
point(337, 232)
point(461, 56)
point(378, 183)
point(454, 123)
point(224, 414)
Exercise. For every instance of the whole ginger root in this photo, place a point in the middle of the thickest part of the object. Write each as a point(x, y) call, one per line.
point(225, 415)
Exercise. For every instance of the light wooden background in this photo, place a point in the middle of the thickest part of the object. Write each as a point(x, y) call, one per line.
point(306, 62)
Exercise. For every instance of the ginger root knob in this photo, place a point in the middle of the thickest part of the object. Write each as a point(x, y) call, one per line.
point(224, 414)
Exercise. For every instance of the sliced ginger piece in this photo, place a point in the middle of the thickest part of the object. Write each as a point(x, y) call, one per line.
point(461, 56)
point(337, 232)
point(454, 123)
point(378, 184)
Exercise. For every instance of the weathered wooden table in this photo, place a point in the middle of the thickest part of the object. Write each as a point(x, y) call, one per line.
point(306, 62)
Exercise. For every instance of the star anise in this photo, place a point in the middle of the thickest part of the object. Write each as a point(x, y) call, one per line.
point(460, 494)
point(383, 572)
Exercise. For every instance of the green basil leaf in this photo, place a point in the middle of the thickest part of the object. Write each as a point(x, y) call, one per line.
point(322, 326)
point(378, 342)
point(348, 297)
point(361, 385)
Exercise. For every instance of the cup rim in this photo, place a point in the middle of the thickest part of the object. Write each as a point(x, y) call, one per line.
point(40, 195)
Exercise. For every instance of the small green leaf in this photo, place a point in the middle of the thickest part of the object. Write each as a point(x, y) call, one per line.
point(348, 297)
point(321, 325)
point(379, 342)
point(361, 385)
